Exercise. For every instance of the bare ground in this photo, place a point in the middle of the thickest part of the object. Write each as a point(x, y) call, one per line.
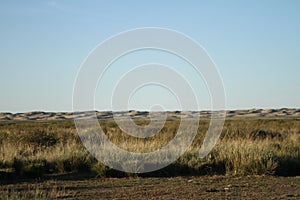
point(202, 187)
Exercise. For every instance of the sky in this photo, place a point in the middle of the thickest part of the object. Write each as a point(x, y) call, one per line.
point(254, 44)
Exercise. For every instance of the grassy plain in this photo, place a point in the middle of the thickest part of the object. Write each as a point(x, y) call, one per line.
point(50, 156)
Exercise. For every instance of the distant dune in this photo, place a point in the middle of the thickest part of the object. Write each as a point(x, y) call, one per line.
point(43, 116)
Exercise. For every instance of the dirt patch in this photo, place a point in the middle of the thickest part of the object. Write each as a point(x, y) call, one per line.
point(203, 187)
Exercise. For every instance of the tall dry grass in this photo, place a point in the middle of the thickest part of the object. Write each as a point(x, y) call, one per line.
point(246, 146)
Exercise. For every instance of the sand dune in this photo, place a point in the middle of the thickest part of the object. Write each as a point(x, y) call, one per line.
point(41, 116)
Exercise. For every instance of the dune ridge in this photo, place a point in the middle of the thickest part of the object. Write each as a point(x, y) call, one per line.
point(45, 116)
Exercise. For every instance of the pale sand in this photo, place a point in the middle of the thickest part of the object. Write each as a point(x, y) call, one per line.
point(252, 113)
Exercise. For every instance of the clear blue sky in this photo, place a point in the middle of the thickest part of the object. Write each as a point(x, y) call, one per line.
point(255, 44)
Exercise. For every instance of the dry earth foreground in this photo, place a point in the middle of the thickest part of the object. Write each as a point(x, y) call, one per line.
point(283, 112)
point(256, 157)
point(203, 187)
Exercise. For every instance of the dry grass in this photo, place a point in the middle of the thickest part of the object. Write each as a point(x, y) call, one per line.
point(37, 191)
point(247, 146)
